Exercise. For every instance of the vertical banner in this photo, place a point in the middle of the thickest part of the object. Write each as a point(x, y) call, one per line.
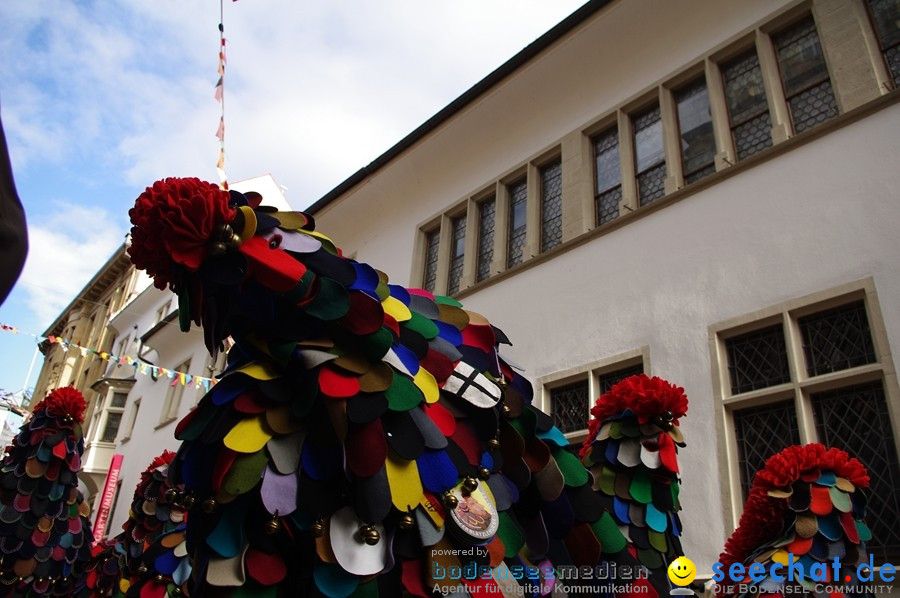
point(106, 499)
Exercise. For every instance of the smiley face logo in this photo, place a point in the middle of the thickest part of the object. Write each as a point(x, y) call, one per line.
point(682, 571)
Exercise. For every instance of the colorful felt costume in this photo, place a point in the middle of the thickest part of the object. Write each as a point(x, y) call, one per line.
point(366, 438)
point(146, 552)
point(632, 452)
point(45, 533)
point(808, 501)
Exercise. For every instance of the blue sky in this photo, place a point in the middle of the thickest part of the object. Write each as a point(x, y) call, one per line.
point(99, 99)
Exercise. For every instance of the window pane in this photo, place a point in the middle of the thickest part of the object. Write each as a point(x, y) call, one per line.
point(518, 195)
point(805, 76)
point(551, 206)
point(610, 379)
point(649, 156)
point(458, 249)
point(432, 239)
point(648, 143)
point(837, 339)
point(698, 145)
point(487, 210)
point(857, 420)
point(607, 205)
point(112, 427)
point(886, 16)
point(757, 360)
point(761, 432)
point(118, 400)
point(569, 406)
point(748, 110)
point(606, 152)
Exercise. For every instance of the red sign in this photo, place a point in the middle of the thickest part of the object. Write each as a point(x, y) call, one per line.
point(106, 499)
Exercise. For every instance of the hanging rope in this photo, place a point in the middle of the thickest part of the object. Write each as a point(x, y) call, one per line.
point(220, 97)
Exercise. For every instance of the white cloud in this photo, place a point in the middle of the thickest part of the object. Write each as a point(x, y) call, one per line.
point(65, 252)
point(121, 94)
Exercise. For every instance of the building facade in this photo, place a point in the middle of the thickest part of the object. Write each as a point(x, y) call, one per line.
point(703, 191)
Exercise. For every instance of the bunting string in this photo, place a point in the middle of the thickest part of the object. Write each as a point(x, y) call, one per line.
point(175, 377)
point(220, 98)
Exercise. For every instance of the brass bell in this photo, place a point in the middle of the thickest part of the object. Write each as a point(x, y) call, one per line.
point(142, 569)
point(484, 473)
point(189, 502)
point(470, 484)
point(209, 505)
point(494, 443)
point(318, 529)
point(171, 495)
point(159, 578)
point(406, 521)
point(217, 248)
point(272, 526)
point(369, 534)
point(450, 501)
point(506, 410)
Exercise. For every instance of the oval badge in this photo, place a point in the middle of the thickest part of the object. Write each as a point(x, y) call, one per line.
point(475, 517)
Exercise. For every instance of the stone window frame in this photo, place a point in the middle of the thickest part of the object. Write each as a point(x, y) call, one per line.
point(801, 386)
point(590, 372)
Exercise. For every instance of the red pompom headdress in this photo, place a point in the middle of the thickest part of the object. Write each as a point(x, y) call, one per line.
point(763, 516)
point(174, 224)
point(650, 400)
point(65, 402)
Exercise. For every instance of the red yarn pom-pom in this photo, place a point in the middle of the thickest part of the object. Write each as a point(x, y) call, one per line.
point(174, 221)
point(62, 402)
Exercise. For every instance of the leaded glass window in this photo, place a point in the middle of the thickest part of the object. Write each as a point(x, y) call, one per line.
point(757, 359)
point(837, 339)
point(886, 17)
point(551, 205)
point(804, 75)
point(518, 196)
point(761, 432)
point(111, 428)
point(569, 406)
point(432, 242)
point(748, 110)
point(650, 157)
point(698, 144)
point(457, 253)
point(608, 192)
point(487, 211)
point(610, 379)
point(856, 420)
point(118, 400)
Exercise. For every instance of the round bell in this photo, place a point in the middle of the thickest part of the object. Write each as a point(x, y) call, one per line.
point(273, 526)
point(450, 501)
point(484, 473)
point(369, 534)
point(217, 248)
point(209, 505)
point(470, 484)
point(406, 521)
point(171, 495)
point(189, 502)
point(506, 410)
point(494, 443)
point(318, 529)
